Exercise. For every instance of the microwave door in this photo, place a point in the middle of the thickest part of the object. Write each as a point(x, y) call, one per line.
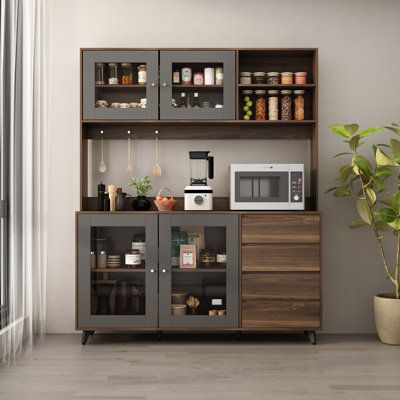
point(262, 187)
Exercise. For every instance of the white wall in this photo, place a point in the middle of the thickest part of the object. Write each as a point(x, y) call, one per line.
point(359, 61)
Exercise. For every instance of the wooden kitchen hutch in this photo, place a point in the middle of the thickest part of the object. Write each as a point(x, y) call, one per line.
point(272, 279)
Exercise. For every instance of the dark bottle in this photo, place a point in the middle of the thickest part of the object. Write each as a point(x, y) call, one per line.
point(101, 188)
point(196, 103)
point(183, 100)
point(106, 202)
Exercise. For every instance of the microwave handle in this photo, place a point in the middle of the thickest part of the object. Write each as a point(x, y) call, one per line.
point(210, 167)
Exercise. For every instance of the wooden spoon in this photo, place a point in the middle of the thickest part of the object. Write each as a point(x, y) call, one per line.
point(102, 165)
point(156, 168)
point(129, 168)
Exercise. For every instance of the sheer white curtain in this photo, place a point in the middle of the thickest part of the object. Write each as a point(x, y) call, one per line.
point(23, 129)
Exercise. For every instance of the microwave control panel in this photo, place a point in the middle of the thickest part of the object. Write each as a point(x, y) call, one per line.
point(296, 187)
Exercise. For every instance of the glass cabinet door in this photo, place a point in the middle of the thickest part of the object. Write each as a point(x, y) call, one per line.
point(197, 84)
point(198, 274)
point(117, 271)
point(120, 84)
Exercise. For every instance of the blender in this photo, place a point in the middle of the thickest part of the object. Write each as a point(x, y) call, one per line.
point(198, 195)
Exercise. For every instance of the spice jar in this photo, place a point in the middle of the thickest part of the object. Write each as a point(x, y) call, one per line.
point(273, 105)
point(286, 105)
point(219, 76)
point(186, 76)
point(299, 105)
point(132, 258)
point(287, 78)
point(207, 257)
point(142, 74)
point(99, 74)
point(209, 76)
point(261, 105)
point(198, 78)
point(113, 74)
point(300, 78)
point(259, 77)
point(176, 77)
point(102, 260)
point(273, 78)
point(245, 78)
point(127, 74)
point(247, 104)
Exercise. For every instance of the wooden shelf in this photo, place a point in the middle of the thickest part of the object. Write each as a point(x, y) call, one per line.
point(280, 86)
point(199, 270)
point(181, 86)
point(133, 270)
point(107, 86)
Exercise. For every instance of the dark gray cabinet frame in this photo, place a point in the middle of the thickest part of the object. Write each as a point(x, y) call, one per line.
point(231, 320)
point(167, 58)
point(91, 57)
point(85, 319)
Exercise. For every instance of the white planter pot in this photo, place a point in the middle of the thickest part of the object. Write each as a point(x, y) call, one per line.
point(387, 318)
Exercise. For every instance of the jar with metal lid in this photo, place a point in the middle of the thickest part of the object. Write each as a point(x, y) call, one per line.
point(99, 73)
point(261, 105)
point(245, 78)
point(102, 260)
point(259, 77)
point(142, 74)
point(92, 260)
point(127, 74)
point(139, 243)
point(133, 258)
point(299, 105)
point(247, 104)
point(286, 105)
point(186, 76)
point(273, 78)
point(287, 78)
point(207, 257)
point(273, 105)
point(113, 74)
point(300, 78)
point(219, 76)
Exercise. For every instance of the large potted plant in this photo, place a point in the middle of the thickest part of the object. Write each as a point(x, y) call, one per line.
point(375, 186)
point(142, 188)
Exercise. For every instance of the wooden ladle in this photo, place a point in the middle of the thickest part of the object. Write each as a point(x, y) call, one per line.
point(156, 167)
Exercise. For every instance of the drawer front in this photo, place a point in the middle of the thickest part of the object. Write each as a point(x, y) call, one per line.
point(281, 228)
point(278, 314)
point(276, 285)
point(281, 257)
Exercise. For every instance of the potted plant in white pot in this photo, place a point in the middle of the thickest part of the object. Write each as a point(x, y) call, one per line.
point(375, 187)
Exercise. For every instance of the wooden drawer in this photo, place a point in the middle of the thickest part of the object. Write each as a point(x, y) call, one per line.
point(281, 228)
point(281, 257)
point(279, 314)
point(276, 285)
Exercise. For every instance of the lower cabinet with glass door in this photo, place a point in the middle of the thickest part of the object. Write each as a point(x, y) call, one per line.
point(146, 271)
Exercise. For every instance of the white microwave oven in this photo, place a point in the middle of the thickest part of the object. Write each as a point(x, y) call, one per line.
point(266, 186)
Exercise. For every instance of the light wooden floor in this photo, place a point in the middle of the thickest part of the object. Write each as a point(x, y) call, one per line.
point(205, 367)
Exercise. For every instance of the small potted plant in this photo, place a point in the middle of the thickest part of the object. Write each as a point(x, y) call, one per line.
point(142, 188)
point(377, 200)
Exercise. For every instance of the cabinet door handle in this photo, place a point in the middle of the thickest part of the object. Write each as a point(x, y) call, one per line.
point(164, 84)
point(152, 270)
point(153, 84)
point(164, 271)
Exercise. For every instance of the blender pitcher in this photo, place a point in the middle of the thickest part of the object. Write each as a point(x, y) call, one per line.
point(200, 162)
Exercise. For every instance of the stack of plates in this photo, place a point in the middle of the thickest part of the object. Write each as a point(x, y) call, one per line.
point(114, 261)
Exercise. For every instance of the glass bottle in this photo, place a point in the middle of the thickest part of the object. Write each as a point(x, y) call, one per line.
point(142, 74)
point(113, 74)
point(99, 73)
point(299, 105)
point(176, 77)
point(183, 101)
point(196, 103)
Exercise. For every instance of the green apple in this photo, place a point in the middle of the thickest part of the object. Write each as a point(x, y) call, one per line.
point(249, 113)
point(246, 98)
point(245, 108)
point(246, 117)
point(249, 103)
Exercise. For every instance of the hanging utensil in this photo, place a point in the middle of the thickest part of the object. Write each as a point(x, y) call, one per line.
point(129, 168)
point(156, 168)
point(102, 165)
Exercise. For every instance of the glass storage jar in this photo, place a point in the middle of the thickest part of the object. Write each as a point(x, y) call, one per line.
point(142, 74)
point(219, 76)
point(247, 104)
point(273, 78)
point(273, 105)
point(299, 105)
point(261, 105)
point(113, 74)
point(286, 105)
point(287, 78)
point(102, 260)
point(133, 258)
point(100, 74)
point(127, 74)
point(207, 257)
point(245, 78)
point(259, 77)
point(300, 78)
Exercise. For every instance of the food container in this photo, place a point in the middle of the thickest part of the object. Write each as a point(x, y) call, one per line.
point(212, 312)
point(102, 260)
point(300, 78)
point(114, 105)
point(261, 105)
point(179, 298)
point(124, 105)
point(164, 203)
point(207, 258)
point(287, 78)
point(259, 77)
point(127, 74)
point(101, 104)
point(273, 78)
point(176, 77)
point(100, 74)
point(113, 74)
point(209, 76)
point(142, 74)
point(139, 243)
point(219, 76)
point(286, 105)
point(178, 309)
point(198, 78)
point(92, 260)
point(245, 78)
point(273, 105)
point(133, 258)
point(221, 312)
point(207, 104)
point(247, 104)
point(299, 105)
point(133, 105)
point(186, 74)
point(221, 259)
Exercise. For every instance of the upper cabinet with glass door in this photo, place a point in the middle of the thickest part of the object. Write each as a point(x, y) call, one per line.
point(197, 84)
point(120, 84)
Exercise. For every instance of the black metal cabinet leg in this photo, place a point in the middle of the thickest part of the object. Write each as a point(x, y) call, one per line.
point(312, 336)
point(85, 336)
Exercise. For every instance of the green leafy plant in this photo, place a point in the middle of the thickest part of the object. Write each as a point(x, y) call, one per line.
point(142, 186)
point(377, 198)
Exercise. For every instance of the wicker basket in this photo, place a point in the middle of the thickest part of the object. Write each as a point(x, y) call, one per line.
point(166, 205)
